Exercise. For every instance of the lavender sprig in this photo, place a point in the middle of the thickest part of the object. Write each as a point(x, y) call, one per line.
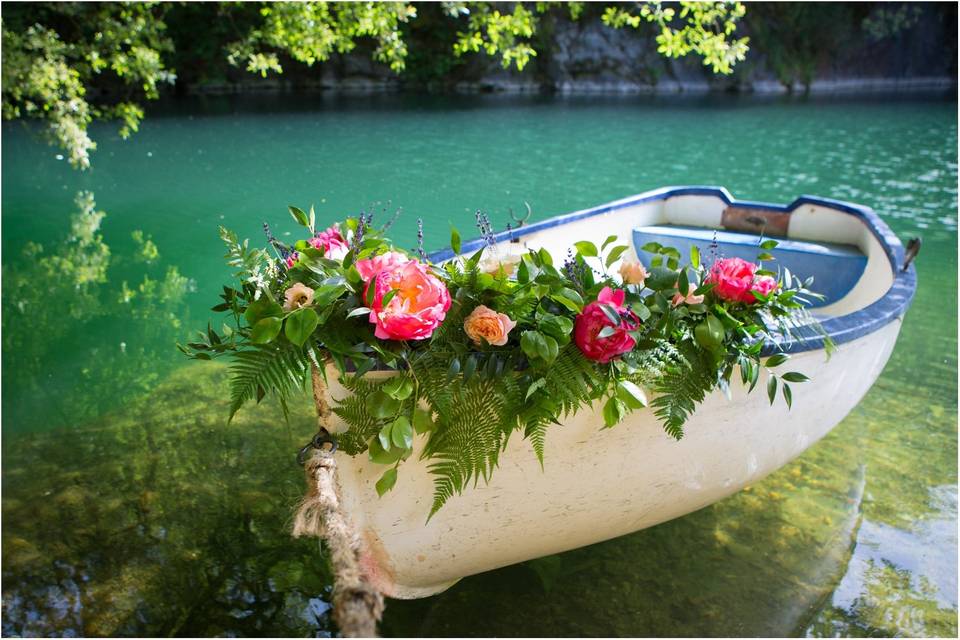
point(486, 228)
point(420, 251)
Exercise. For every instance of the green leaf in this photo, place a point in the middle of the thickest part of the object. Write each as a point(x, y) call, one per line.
point(399, 387)
point(455, 240)
point(539, 383)
point(772, 388)
point(380, 405)
point(777, 359)
point(454, 369)
point(266, 330)
point(795, 376)
point(550, 349)
point(606, 332)
point(300, 324)
point(611, 312)
point(631, 394)
point(359, 311)
point(559, 327)
point(469, 367)
point(387, 481)
point(615, 254)
point(381, 455)
point(787, 395)
point(661, 278)
point(384, 435)
point(369, 294)
point(262, 308)
point(765, 256)
point(422, 421)
point(387, 297)
point(710, 332)
point(299, 216)
point(606, 242)
point(313, 218)
point(401, 433)
point(695, 256)
point(683, 284)
point(531, 342)
point(586, 248)
point(652, 247)
point(613, 411)
point(769, 244)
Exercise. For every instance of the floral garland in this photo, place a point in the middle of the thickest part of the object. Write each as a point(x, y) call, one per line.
point(496, 342)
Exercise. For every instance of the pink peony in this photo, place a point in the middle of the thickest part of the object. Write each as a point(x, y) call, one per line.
point(736, 278)
point(333, 244)
point(592, 320)
point(418, 307)
point(486, 325)
point(292, 258)
point(370, 267)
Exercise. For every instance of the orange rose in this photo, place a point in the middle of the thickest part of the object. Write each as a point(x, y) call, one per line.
point(485, 324)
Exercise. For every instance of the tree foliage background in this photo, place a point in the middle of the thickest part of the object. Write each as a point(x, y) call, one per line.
point(69, 63)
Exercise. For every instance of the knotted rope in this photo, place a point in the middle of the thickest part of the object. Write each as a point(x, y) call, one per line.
point(357, 605)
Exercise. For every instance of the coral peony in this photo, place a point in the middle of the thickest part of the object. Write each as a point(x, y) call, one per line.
point(370, 267)
point(299, 295)
point(735, 278)
point(332, 242)
point(593, 319)
point(418, 307)
point(633, 272)
point(485, 324)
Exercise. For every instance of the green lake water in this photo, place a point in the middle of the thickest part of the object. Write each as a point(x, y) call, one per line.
point(130, 507)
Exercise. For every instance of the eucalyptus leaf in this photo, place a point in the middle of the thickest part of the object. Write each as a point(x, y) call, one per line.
point(300, 324)
point(586, 248)
point(265, 330)
point(386, 481)
point(381, 405)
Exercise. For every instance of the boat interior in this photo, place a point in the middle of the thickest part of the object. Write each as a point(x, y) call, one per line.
point(842, 252)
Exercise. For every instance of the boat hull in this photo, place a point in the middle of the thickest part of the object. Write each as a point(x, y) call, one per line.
point(597, 483)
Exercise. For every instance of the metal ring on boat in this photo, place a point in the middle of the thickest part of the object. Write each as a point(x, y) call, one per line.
point(321, 438)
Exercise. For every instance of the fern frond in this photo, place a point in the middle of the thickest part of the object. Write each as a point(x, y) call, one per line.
point(353, 410)
point(682, 387)
point(272, 368)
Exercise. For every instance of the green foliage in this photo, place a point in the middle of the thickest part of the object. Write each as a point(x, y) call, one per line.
point(54, 52)
point(281, 369)
point(704, 30)
point(310, 31)
point(683, 386)
point(502, 357)
point(57, 55)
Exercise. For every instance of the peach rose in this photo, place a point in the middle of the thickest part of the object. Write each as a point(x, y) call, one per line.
point(633, 272)
point(485, 324)
point(497, 265)
point(299, 295)
point(679, 298)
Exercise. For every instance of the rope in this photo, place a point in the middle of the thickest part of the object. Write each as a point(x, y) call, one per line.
point(357, 605)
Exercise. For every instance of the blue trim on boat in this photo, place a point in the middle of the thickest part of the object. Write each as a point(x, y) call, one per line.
point(840, 329)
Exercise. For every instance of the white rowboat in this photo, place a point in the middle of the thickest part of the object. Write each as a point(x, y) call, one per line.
point(602, 483)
